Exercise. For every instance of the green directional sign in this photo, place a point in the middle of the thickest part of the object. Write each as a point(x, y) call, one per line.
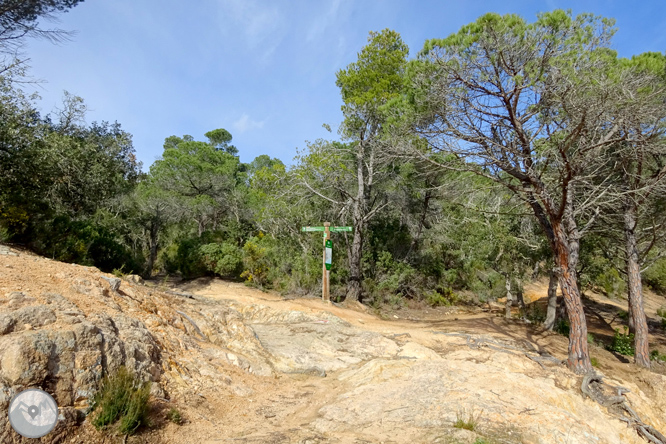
point(341, 228)
point(328, 258)
point(312, 228)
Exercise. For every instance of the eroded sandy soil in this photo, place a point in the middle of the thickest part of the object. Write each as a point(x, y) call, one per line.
point(245, 366)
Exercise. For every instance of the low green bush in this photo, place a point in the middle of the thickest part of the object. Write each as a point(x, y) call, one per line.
point(656, 356)
point(174, 416)
point(562, 327)
point(256, 261)
point(122, 399)
point(444, 297)
point(623, 343)
point(224, 259)
point(535, 313)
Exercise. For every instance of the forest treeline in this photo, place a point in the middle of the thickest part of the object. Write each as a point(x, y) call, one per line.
point(504, 152)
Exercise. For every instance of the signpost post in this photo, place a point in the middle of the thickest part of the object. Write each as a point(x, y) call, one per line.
point(328, 255)
point(326, 271)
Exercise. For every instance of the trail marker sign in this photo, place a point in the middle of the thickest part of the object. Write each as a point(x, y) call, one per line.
point(328, 254)
point(312, 228)
point(334, 229)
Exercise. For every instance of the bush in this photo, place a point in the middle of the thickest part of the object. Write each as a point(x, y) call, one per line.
point(623, 343)
point(256, 261)
point(594, 362)
point(562, 327)
point(444, 297)
point(225, 259)
point(174, 416)
point(656, 356)
point(535, 313)
point(122, 398)
point(188, 258)
point(611, 283)
point(655, 277)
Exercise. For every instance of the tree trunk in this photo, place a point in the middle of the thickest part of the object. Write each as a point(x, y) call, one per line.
point(579, 356)
point(636, 311)
point(521, 299)
point(360, 208)
point(152, 246)
point(422, 220)
point(355, 264)
point(509, 297)
point(551, 311)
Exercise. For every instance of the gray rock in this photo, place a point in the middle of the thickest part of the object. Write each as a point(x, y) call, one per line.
point(134, 278)
point(18, 299)
point(114, 283)
point(32, 316)
point(315, 348)
point(6, 251)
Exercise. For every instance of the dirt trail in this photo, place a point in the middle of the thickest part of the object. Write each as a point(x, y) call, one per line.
point(317, 392)
point(245, 366)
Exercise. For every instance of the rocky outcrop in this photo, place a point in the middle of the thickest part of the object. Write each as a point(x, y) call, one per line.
point(63, 327)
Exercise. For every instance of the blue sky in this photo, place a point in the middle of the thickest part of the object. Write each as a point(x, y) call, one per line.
point(263, 70)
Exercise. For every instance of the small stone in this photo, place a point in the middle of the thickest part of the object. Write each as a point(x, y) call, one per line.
point(135, 279)
point(114, 283)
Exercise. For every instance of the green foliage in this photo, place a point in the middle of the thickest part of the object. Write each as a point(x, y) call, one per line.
point(467, 421)
point(655, 276)
point(595, 362)
point(118, 272)
point(661, 312)
point(220, 139)
point(174, 416)
point(256, 261)
point(224, 259)
point(623, 315)
point(390, 278)
point(445, 297)
point(188, 258)
point(562, 327)
point(122, 399)
point(612, 283)
point(655, 355)
point(373, 80)
point(535, 313)
point(623, 343)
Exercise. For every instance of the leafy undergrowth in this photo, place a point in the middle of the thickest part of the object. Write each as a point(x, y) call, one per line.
point(123, 401)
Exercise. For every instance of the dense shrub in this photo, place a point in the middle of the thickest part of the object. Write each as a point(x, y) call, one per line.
point(256, 261)
point(623, 343)
point(121, 399)
point(224, 259)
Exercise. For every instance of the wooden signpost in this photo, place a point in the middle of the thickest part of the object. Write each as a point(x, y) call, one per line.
point(328, 255)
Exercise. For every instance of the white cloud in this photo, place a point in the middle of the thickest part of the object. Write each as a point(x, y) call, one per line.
point(245, 123)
